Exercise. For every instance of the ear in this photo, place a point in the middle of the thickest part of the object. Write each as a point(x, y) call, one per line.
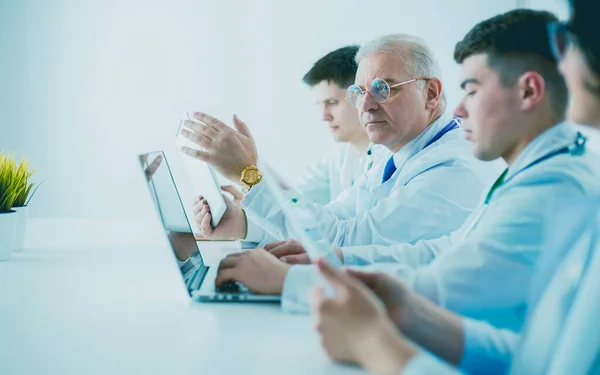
point(532, 90)
point(433, 89)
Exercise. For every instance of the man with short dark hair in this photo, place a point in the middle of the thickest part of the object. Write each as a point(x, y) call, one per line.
point(348, 160)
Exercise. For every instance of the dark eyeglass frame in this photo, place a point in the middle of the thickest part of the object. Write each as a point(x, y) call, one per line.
point(561, 38)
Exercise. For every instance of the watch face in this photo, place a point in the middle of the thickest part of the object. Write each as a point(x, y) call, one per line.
point(251, 176)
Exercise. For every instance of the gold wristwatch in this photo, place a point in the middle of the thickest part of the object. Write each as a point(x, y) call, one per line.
point(250, 177)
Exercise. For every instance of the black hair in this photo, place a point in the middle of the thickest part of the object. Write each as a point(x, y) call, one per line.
point(584, 24)
point(338, 66)
point(516, 42)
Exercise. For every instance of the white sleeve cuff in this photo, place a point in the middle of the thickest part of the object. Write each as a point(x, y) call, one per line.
point(254, 191)
point(255, 220)
point(255, 233)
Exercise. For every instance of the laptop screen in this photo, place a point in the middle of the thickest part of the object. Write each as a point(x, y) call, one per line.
point(173, 217)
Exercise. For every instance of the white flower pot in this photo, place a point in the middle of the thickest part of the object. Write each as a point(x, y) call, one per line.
point(23, 215)
point(8, 230)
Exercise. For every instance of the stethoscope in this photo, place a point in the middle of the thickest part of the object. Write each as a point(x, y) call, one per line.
point(575, 148)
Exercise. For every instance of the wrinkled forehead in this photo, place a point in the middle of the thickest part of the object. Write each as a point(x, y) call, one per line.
point(387, 66)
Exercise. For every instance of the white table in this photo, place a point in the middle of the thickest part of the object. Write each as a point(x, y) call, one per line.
point(105, 303)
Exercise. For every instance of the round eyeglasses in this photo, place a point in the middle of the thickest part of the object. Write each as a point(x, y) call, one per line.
point(379, 89)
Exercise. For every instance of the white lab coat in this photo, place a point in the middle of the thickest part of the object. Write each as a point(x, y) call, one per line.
point(500, 241)
point(433, 190)
point(338, 170)
point(562, 335)
point(505, 241)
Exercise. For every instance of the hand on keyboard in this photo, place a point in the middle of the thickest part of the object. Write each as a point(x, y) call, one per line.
point(229, 287)
point(258, 270)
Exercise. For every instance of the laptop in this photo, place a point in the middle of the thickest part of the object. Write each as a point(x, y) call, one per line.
point(199, 279)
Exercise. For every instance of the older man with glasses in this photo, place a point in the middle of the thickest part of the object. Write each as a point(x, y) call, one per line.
point(424, 187)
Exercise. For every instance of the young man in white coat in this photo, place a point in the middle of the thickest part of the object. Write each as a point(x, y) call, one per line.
point(350, 157)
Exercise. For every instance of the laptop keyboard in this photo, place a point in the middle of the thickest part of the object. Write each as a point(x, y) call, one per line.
point(232, 287)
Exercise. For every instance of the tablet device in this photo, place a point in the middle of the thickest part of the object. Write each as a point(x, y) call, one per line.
point(203, 177)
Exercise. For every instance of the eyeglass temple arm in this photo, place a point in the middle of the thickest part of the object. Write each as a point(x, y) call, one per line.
point(409, 81)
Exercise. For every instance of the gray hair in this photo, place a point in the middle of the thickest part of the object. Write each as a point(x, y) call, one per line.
point(418, 58)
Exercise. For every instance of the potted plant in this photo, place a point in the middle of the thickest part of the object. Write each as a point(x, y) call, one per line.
point(21, 205)
point(10, 188)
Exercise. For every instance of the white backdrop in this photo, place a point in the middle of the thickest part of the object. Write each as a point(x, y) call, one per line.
point(85, 85)
point(559, 7)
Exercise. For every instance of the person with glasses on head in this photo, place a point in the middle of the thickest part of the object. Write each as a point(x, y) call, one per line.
point(425, 187)
point(512, 95)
